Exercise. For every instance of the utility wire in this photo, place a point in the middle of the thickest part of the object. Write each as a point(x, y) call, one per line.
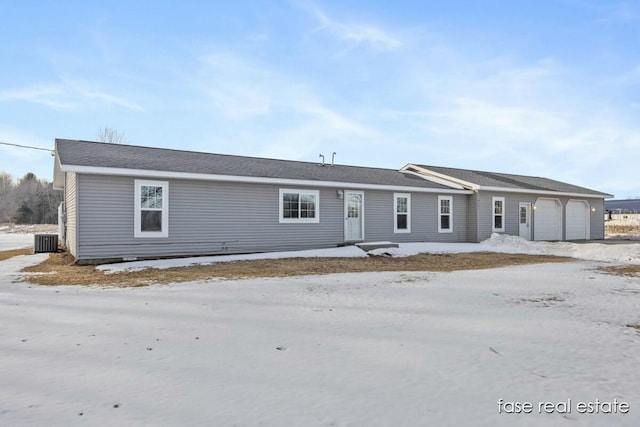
point(27, 146)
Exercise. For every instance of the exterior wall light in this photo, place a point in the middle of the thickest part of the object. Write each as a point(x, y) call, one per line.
point(593, 209)
point(340, 194)
point(534, 207)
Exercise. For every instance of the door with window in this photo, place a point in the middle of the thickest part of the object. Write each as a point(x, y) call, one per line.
point(525, 220)
point(354, 216)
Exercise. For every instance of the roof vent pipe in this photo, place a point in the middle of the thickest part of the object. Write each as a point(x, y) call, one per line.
point(322, 157)
point(333, 158)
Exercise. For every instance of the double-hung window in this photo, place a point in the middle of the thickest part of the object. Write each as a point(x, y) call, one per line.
point(299, 206)
point(402, 213)
point(445, 205)
point(151, 209)
point(498, 214)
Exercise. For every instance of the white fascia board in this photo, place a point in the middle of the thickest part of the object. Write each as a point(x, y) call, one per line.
point(58, 174)
point(543, 192)
point(446, 179)
point(97, 170)
point(434, 179)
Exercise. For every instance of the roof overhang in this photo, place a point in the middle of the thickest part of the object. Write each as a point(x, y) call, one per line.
point(144, 173)
point(543, 192)
point(449, 180)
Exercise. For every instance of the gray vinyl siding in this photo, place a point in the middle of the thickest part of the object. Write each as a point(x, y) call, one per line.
point(215, 218)
point(204, 218)
point(511, 217)
point(70, 195)
point(380, 218)
point(512, 202)
point(472, 218)
point(597, 219)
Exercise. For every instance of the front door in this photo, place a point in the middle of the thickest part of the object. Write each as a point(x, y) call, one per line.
point(525, 220)
point(354, 224)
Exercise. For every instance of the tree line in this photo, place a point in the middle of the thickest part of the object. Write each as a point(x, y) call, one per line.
point(28, 200)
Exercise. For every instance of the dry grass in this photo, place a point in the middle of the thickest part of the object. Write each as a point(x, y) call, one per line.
point(622, 228)
point(622, 270)
point(14, 252)
point(59, 268)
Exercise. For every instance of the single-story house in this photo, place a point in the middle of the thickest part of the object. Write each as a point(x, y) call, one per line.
point(125, 202)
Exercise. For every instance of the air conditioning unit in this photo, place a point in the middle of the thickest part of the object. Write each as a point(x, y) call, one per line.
point(45, 243)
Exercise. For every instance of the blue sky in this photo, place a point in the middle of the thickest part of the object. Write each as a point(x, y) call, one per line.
point(546, 88)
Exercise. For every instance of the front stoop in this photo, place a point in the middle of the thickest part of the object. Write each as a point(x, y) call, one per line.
point(369, 246)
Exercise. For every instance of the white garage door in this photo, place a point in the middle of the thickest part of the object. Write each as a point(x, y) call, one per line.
point(577, 222)
point(547, 220)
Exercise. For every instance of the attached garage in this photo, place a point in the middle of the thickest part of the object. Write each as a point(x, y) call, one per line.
point(577, 220)
point(547, 220)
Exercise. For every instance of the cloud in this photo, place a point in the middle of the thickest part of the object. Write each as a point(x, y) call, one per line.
point(270, 113)
point(48, 96)
point(237, 88)
point(354, 35)
point(70, 95)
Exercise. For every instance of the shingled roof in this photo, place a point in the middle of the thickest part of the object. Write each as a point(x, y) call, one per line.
point(80, 155)
point(510, 181)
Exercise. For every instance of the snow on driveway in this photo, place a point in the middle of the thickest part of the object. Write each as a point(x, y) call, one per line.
point(367, 349)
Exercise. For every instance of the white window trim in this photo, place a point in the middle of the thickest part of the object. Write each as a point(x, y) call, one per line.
point(137, 232)
point(396, 196)
point(284, 220)
point(493, 214)
point(440, 214)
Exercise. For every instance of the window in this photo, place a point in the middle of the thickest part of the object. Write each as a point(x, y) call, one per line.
point(151, 209)
point(523, 214)
point(299, 205)
point(402, 211)
point(498, 214)
point(445, 204)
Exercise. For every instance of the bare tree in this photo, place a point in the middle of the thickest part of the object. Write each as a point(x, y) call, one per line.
point(111, 135)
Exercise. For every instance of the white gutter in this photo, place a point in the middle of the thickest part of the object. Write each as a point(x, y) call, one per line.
point(544, 192)
point(97, 170)
point(475, 187)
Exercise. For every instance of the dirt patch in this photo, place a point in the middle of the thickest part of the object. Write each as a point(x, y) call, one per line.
point(636, 327)
point(622, 270)
point(59, 268)
point(14, 252)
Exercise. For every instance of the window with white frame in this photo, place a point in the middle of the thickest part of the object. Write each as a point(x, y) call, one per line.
point(402, 213)
point(299, 206)
point(151, 209)
point(445, 206)
point(498, 214)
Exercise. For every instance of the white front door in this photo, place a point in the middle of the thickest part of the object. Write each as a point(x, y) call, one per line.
point(525, 220)
point(354, 215)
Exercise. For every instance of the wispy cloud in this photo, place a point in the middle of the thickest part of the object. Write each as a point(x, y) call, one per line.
point(354, 34)
point(273, 114)
point(70, 95)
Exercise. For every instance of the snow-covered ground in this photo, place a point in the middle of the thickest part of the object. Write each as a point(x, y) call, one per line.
point(366, 349)
point(15, 241)
point(626, 253)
